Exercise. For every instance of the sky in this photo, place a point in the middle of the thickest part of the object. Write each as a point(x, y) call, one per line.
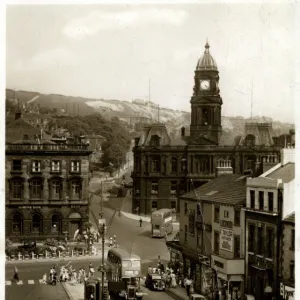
point(111, 52)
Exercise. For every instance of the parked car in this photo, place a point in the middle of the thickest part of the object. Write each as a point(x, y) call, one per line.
point(197, 297)
point(155, 282)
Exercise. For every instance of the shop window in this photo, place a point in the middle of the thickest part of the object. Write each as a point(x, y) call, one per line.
point(185, 232)
point(217, 214)
point(251, 238)
point(293, 239)
point(75, 189)
point(261, 200)
point(55, 166)
point(56, 223)
point(75, 166)
point(17, 165)
point(36, 166)
point(155, 164)
point(270, 200)
point(260, 240)
point(36, 225)
point(174, 164)
point(56, 189)
point(17, 224)
point(16, 189)
point(237, 217)
point(216, 242)
point(252, 199)
point(269, 242)
point(237, 241)
point(36, 188)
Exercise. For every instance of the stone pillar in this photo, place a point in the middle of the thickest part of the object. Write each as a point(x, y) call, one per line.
point(26, 190)
point(168, 164)
point(46, 190)
point(194, 164)
point(142, 160)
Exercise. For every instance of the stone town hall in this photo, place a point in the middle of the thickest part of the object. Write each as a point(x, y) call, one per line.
point(164, 169)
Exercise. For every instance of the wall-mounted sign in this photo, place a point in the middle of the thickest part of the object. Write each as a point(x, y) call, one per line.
point(226, 239)
point(225, 223)
point(29, 207)
point(218, 264)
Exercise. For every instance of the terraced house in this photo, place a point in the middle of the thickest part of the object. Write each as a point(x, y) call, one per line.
point(164, 168)
point(46, 193)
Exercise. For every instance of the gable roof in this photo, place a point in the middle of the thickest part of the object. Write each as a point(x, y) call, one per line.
point(225, 189)
point(286, 173)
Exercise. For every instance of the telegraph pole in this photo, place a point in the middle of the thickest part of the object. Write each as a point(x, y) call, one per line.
point(102, 262)
point(101, 203)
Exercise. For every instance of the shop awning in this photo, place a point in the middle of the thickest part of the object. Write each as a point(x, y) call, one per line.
point(172, 245)
point(75, 215)
point(236, 278)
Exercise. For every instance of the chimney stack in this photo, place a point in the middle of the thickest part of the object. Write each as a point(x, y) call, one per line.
point(224, 167)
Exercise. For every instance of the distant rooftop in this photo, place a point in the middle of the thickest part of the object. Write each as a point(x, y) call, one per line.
point(290, 218)
point(286, 173)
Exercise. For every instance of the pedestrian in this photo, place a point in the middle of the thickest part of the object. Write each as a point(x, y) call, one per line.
point(188, 286)
point(173, 280)
point(110, 242)
point(150, 270)
point(16, 274)
point(141, 222)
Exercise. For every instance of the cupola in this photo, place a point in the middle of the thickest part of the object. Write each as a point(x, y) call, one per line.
point(206, 61)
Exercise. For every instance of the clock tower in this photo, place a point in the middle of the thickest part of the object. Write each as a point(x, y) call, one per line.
point(206, 101)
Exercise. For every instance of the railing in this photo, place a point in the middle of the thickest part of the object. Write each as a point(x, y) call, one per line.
point(45, 147)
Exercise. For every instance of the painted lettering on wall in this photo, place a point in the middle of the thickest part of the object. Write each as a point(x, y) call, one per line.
point(226, 239)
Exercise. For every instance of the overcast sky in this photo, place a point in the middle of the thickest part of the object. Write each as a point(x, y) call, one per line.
point(111, 51)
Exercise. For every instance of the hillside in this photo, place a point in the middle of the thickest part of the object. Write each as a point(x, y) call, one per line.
point(132, 111)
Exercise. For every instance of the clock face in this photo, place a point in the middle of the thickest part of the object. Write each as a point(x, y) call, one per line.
point(204, 84)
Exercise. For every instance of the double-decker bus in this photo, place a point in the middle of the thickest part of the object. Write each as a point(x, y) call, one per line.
point(161, 221)
point(124, 266)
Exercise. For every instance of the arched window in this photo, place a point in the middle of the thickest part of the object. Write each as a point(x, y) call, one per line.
point(206, 116)
point(17, 223)
point(56, 223)
point(36, 226)
point(155, 140)
point(250, 140)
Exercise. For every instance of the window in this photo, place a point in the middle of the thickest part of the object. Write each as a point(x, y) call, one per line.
point(17, 165)
point(56, 223)
point(269, 242)
point(185, 232)
point(36, 166)
point(237, 217)
point(154, 140)
point(292, 269)
point(56, 189)
point(293, 239)
point(237, 246)
point(36, 188)
point(16, 188)
point(55, 166)
point(174, 164)
point(216, 242)
point(75, 189)
point(260, 240)
point(252, 199)
point(251, 238)
point(154, 188)
point(217, 214)
point(250, 140)
point(154, 204)
point(270, 200)
point(199, 238)
point(173, 205)
point(75, 166)
point(36, 224)
point(155, 166)
point(226, 214)
point(202, 165)
point(191, 222)
point(199, 209)
point(261, 200)
point(17, 224)
point(185, 208)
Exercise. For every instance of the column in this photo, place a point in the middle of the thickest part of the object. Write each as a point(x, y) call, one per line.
point(142, 159)
point(26, 190)
point(46, 190)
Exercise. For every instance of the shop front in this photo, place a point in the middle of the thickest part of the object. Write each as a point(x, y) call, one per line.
point(287, 291)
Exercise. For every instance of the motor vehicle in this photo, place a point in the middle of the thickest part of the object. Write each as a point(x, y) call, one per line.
point(161, 222)
point(195, 296)
point(155, 282)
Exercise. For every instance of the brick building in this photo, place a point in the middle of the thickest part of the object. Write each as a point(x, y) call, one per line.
point(287, 255)
point(270, 198)
point(211, 236)
point(46, 193)
point(165, 169)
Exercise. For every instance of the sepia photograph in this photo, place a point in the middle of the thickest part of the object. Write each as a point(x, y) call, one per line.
point(150, 150)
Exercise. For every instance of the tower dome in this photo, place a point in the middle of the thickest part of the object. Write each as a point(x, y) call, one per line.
point(206, 61)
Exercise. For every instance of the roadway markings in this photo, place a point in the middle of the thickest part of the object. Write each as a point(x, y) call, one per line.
point(7, 282)
point(30, 281)
point(20, 282)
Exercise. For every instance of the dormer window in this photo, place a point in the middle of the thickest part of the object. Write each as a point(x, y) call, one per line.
point(36, 166)
point(250, 140)
point(155, 141)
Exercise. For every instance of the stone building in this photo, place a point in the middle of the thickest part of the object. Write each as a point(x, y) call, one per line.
point(287, 255)
point(46, 192)
point(164, 169)
point(211, 236)
point(270, 197)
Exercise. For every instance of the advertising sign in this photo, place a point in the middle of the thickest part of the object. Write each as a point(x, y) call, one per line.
point(226, 239)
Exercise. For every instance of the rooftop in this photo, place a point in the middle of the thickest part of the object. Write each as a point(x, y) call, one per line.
point(225, 189)
point(290, 218)
point(286, 173)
